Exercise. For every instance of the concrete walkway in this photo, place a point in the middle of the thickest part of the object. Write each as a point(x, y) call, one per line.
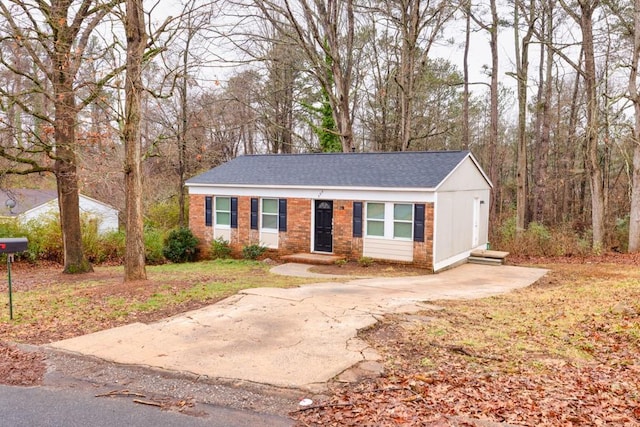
point(302, 270)
point(300, 337)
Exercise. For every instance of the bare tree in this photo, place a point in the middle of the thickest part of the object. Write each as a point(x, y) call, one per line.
point(634, 216)
point(418, 24)
point(325, 34)
point(491, 147)
point(522, 77)
point(584, 18)
point(54, 36)
point(194, 21)
point(466, 6)
point(134, 267)
point(543, 117)
point(283, 69)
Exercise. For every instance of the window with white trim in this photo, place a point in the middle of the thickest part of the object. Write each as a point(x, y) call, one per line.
point(375, 219)
point(223, 212)
point(402, 221)
point(392, 221)
point(269, 214)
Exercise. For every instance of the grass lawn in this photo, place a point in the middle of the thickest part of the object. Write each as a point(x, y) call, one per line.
point(49, 306)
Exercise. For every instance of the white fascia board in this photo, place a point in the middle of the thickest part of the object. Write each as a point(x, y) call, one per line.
point(82, 196)
point(486, 177)
point(459, 165)
point(44, 207)
point(331, 193)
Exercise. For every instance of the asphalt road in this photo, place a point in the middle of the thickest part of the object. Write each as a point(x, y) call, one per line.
point(57, 407)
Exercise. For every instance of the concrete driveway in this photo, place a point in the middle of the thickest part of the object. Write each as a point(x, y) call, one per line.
point(300, 337)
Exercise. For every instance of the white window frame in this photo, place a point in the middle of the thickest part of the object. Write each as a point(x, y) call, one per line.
point(389, 221)
point(402, 221)
point(376, 220)
point(262, 213)
point(216, 210)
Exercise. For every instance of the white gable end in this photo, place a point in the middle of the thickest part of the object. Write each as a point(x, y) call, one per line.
point(465, 177)
point(106, 216)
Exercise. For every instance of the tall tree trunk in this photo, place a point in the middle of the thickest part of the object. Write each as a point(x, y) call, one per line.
point(493, 125)
point(182, 133)
point(592, 161)
point(407, 73)
point(134, 265)
point(568, 206)
point(522, 76)
point(634, 213)
point(65, 167)
point(465, 70)
point(67, 182)
point(544, 120)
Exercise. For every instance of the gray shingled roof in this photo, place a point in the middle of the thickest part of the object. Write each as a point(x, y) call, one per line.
point(25, 199)
point(381, 170)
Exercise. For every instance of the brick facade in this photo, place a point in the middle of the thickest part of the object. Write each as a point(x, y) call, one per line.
point(423, 251)
point(297, 238)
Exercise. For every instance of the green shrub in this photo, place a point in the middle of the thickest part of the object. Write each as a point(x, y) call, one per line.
point(180, 246)
point(253, 252)
point(11, 228)
point(45, 239)
point(220, 249)
point(92, 241)
point(507, 229)
point(153, 246)
point(112, 246)
point(365, 261)
point(163, 215)
point(537, 237)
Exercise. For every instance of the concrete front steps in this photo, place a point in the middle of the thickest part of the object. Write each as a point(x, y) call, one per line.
point(314, 259)
point(487, 257)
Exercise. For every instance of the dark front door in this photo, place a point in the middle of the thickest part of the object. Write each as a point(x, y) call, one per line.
point(324, 226)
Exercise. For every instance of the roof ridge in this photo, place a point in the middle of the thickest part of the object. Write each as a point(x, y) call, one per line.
point(355, 153)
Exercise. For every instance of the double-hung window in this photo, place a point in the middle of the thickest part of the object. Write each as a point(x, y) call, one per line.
point(389, 220)
point(223, 212)
point(375, 219)
point(402, 221)
point(269, 214)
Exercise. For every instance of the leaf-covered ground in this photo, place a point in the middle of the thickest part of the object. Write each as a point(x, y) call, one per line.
point(564, 352)
point(19, 367)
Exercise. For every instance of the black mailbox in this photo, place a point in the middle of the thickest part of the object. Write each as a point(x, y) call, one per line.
point(12, 245)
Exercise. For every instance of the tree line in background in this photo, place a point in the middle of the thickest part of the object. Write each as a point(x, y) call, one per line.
point(555, 124)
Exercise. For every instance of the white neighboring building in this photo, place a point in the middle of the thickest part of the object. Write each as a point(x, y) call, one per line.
point(28, 204)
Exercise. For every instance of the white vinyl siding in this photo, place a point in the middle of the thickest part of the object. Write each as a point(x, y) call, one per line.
point(461, 224)
point(223, 212)
point(396, 250)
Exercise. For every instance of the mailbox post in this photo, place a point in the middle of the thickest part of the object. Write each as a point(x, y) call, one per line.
point(10, 246)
